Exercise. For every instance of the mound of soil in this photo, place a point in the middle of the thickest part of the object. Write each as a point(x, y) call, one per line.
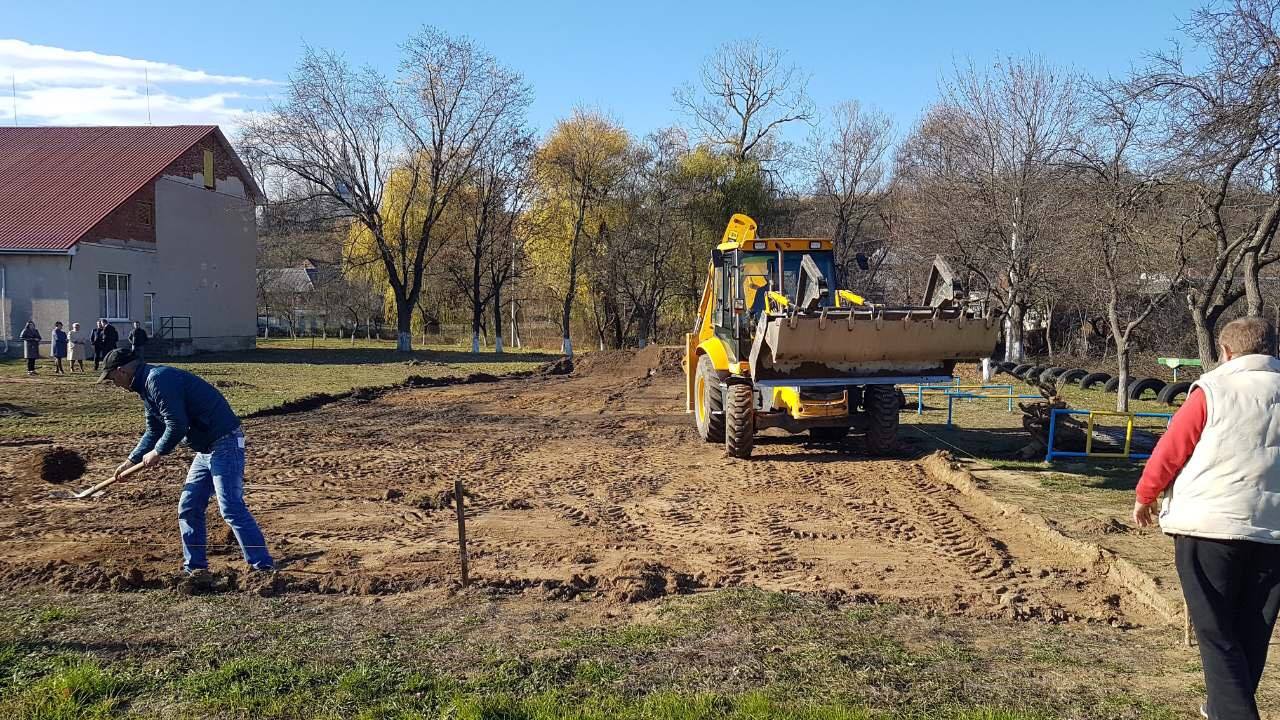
point(561, 366)
point(55, 465)
point(634, 581)
point(652, 360)
point(1099, 526)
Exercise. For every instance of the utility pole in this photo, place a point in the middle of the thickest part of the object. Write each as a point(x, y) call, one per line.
point(13, 87)
point(146, 77)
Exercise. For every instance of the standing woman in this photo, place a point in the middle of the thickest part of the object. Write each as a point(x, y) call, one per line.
point(77, 346)
point(59, 347)
point(30, 345)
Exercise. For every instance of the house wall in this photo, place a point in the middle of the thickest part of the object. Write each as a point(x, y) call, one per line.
point(202, 266)
point(198, 256)
point(35, 288)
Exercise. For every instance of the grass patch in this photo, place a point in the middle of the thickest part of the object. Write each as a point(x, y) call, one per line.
point(77, 688)
point(277, 372)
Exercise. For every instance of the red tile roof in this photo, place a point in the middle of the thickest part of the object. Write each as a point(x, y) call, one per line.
point(57, 182)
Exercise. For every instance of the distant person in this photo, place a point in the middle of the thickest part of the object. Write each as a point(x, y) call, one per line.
point(1223, 511)
point(31, 345)
point(180, 405)
point(97, 342)
point(110, 337)
point(77, 340)
point(59, 349)
point(138, 340)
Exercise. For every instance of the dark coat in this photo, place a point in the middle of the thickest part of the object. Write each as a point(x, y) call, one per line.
point(30, 343)
point(59, 343)
point(110, 338)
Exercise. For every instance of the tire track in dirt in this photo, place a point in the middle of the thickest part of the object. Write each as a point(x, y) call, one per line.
point(573, 482)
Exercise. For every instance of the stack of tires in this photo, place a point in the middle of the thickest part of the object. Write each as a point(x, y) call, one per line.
point(1143, 388)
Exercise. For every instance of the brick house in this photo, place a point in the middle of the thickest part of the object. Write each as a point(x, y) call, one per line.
point(154, 224)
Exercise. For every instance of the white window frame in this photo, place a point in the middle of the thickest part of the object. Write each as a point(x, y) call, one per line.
point(106, 293)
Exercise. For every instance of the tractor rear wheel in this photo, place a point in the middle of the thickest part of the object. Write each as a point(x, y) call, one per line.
point(881, 405)
point(708, 406)
point(739, 421)
point(828, 434)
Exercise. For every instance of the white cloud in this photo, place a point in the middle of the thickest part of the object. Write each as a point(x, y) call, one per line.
point(56, 86)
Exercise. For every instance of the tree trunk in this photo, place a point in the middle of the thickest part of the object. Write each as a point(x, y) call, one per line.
point(1204, 335)
point(515, 328)
point(404, 325)
point(1252, 286)
point(1014, 350)
point(1122, 368)
point(497, 320)
point(476, 309)
point(1048, 329)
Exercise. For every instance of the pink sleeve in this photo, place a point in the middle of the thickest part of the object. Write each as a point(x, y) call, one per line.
point(1174, 448)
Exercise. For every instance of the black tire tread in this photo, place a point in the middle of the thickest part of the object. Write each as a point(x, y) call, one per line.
point(714, 432)
point(1169, 394)
point(1112, 385)
point(740, 425)
point(1073, 376)
point(1088, 382)
point(881, 405)
point(1139, 386)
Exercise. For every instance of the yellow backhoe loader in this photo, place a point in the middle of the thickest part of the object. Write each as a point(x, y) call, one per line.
point(778, 344)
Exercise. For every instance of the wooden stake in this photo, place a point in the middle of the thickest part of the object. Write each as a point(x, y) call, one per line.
point(462, 531)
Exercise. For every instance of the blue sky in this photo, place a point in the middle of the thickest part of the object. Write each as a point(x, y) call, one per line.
point(82, 62)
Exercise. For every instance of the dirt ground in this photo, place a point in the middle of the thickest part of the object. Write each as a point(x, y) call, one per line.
point(591, 485)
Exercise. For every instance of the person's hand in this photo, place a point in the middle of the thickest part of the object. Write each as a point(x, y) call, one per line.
point(121, 468)
point(151, 459)
point(1144, 514)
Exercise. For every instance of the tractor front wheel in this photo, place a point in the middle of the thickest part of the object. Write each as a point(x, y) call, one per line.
point(739, 421)
point(881, 405)
point(708, 403)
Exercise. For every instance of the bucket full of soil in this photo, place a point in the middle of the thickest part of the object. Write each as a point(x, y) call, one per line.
point(55, 465)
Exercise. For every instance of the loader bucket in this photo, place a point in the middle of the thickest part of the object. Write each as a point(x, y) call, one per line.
point(841, 343)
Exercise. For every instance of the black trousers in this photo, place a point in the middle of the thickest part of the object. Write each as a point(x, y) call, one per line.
point(99, 353)
point(31, 364)
point(1232, 588)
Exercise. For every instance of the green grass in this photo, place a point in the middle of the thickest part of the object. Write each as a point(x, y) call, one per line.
point(276, 372)
point(739, 654)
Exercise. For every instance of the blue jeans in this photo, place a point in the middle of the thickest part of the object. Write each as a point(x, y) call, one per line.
point(220, 471)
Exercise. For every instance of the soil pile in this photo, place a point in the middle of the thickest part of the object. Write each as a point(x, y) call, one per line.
point(652, 361)
point(55, 465)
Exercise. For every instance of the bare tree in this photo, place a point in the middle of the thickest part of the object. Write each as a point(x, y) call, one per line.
point(1223, 134)
point(345, 132)
point(1125, 223)
point(848, 158)
point(986, 166)
point(745, 93)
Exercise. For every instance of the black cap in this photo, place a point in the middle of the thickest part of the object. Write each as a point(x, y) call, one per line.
point(115, 360)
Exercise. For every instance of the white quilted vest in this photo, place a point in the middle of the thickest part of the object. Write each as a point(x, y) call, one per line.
point(1230, 488)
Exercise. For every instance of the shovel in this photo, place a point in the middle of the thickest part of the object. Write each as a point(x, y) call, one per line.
point(68, 495)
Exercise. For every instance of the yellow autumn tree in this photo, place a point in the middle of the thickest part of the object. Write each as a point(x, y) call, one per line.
point(577, 168)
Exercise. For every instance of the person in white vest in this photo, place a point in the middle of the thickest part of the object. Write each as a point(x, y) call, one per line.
point(1220, 461)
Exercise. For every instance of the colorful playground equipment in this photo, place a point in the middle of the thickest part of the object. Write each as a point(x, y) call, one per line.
point(1127, 453)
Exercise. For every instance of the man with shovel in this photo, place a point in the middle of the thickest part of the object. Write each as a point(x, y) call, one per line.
point(179, 405)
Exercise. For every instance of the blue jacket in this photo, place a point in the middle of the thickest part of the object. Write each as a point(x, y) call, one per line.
point(59, 343)
point(179, 405)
